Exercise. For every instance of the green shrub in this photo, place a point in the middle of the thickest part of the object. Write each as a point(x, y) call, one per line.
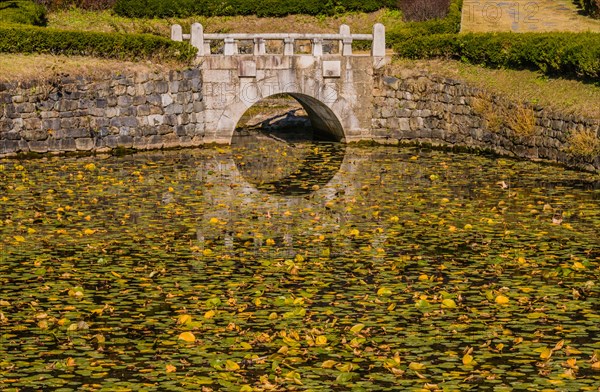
point(568, 54)
point(21, 39)
point(184, 8)
point(22, 12)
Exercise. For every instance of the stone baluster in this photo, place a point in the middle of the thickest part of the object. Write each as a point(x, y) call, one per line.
point(206, 47)
point(378, 48)
point(259, 46)
point(176, 33)
point(344, 31)
point(347, 43)
point(317, 47)
point(197, 38)
point(378, 40)
point(288, 47)
point(230, 47)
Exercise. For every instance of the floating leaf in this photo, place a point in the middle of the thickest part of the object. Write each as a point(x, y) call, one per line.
point(231, 366)
point(187, 336)
point(502, 300)
point(170, 368)
point(344, 377)
point(559, 345)
point(467, 360)
point(416, 366)
point(384, 291)
point(328, 364)
point(546, 353)
point(357, 328)
point(448, 303)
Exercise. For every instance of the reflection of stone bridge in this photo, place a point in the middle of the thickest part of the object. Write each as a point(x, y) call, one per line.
point(229, 197)
point(320, 71)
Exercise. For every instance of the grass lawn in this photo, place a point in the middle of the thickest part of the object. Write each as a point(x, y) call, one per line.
point(565, 95)
point(75, 19)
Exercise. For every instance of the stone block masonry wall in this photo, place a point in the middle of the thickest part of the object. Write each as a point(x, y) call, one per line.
point(152, 110)
point(441, 111)
point(142, 111)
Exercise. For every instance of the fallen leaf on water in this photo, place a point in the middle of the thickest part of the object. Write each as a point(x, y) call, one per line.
point(187, 336)
point(357, 328)
point(384, 291)
point(170, 368)
point(416, 366)
point(210, 314)
point(546, 353)
point(467, 359)
point(571, 351)
point(328, 364)
point(559, 345)
point(448, 303)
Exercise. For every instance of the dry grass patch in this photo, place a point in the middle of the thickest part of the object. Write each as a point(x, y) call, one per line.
point(521, 120)
point(564, 95)
point(583, 144)
point(75, 19)
point(482, 105)
point(21, 67)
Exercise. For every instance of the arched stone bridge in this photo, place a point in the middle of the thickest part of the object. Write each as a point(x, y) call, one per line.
point(333, 84)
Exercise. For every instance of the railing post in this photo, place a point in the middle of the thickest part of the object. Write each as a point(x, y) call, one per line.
point(378, 40)
point(288, 46)
point(229, 49)
point(347, 50)
point(176, 33)
point(197, 38)
point(259, 46)
point(206, 47)
point(317, 47)
point(344, 31)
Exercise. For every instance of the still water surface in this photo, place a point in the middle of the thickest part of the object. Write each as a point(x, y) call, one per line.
point(308, 266)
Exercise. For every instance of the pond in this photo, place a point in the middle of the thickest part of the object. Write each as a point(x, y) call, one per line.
point(298, 266)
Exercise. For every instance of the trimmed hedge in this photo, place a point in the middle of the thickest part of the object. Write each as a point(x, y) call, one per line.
point(22, 12)
point(263, 8)
point(21, 39)
point(566, 54)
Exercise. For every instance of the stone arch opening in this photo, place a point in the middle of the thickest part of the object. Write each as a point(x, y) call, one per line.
point(300, 116)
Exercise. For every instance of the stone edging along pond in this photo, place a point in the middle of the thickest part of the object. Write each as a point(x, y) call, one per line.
point(151, 110)
point(445, 112)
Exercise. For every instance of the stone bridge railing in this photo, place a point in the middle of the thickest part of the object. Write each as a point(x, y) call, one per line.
point(258, 44)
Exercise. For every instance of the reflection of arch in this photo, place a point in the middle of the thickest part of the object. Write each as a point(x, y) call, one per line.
point(304, 169)
point(324, 121)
